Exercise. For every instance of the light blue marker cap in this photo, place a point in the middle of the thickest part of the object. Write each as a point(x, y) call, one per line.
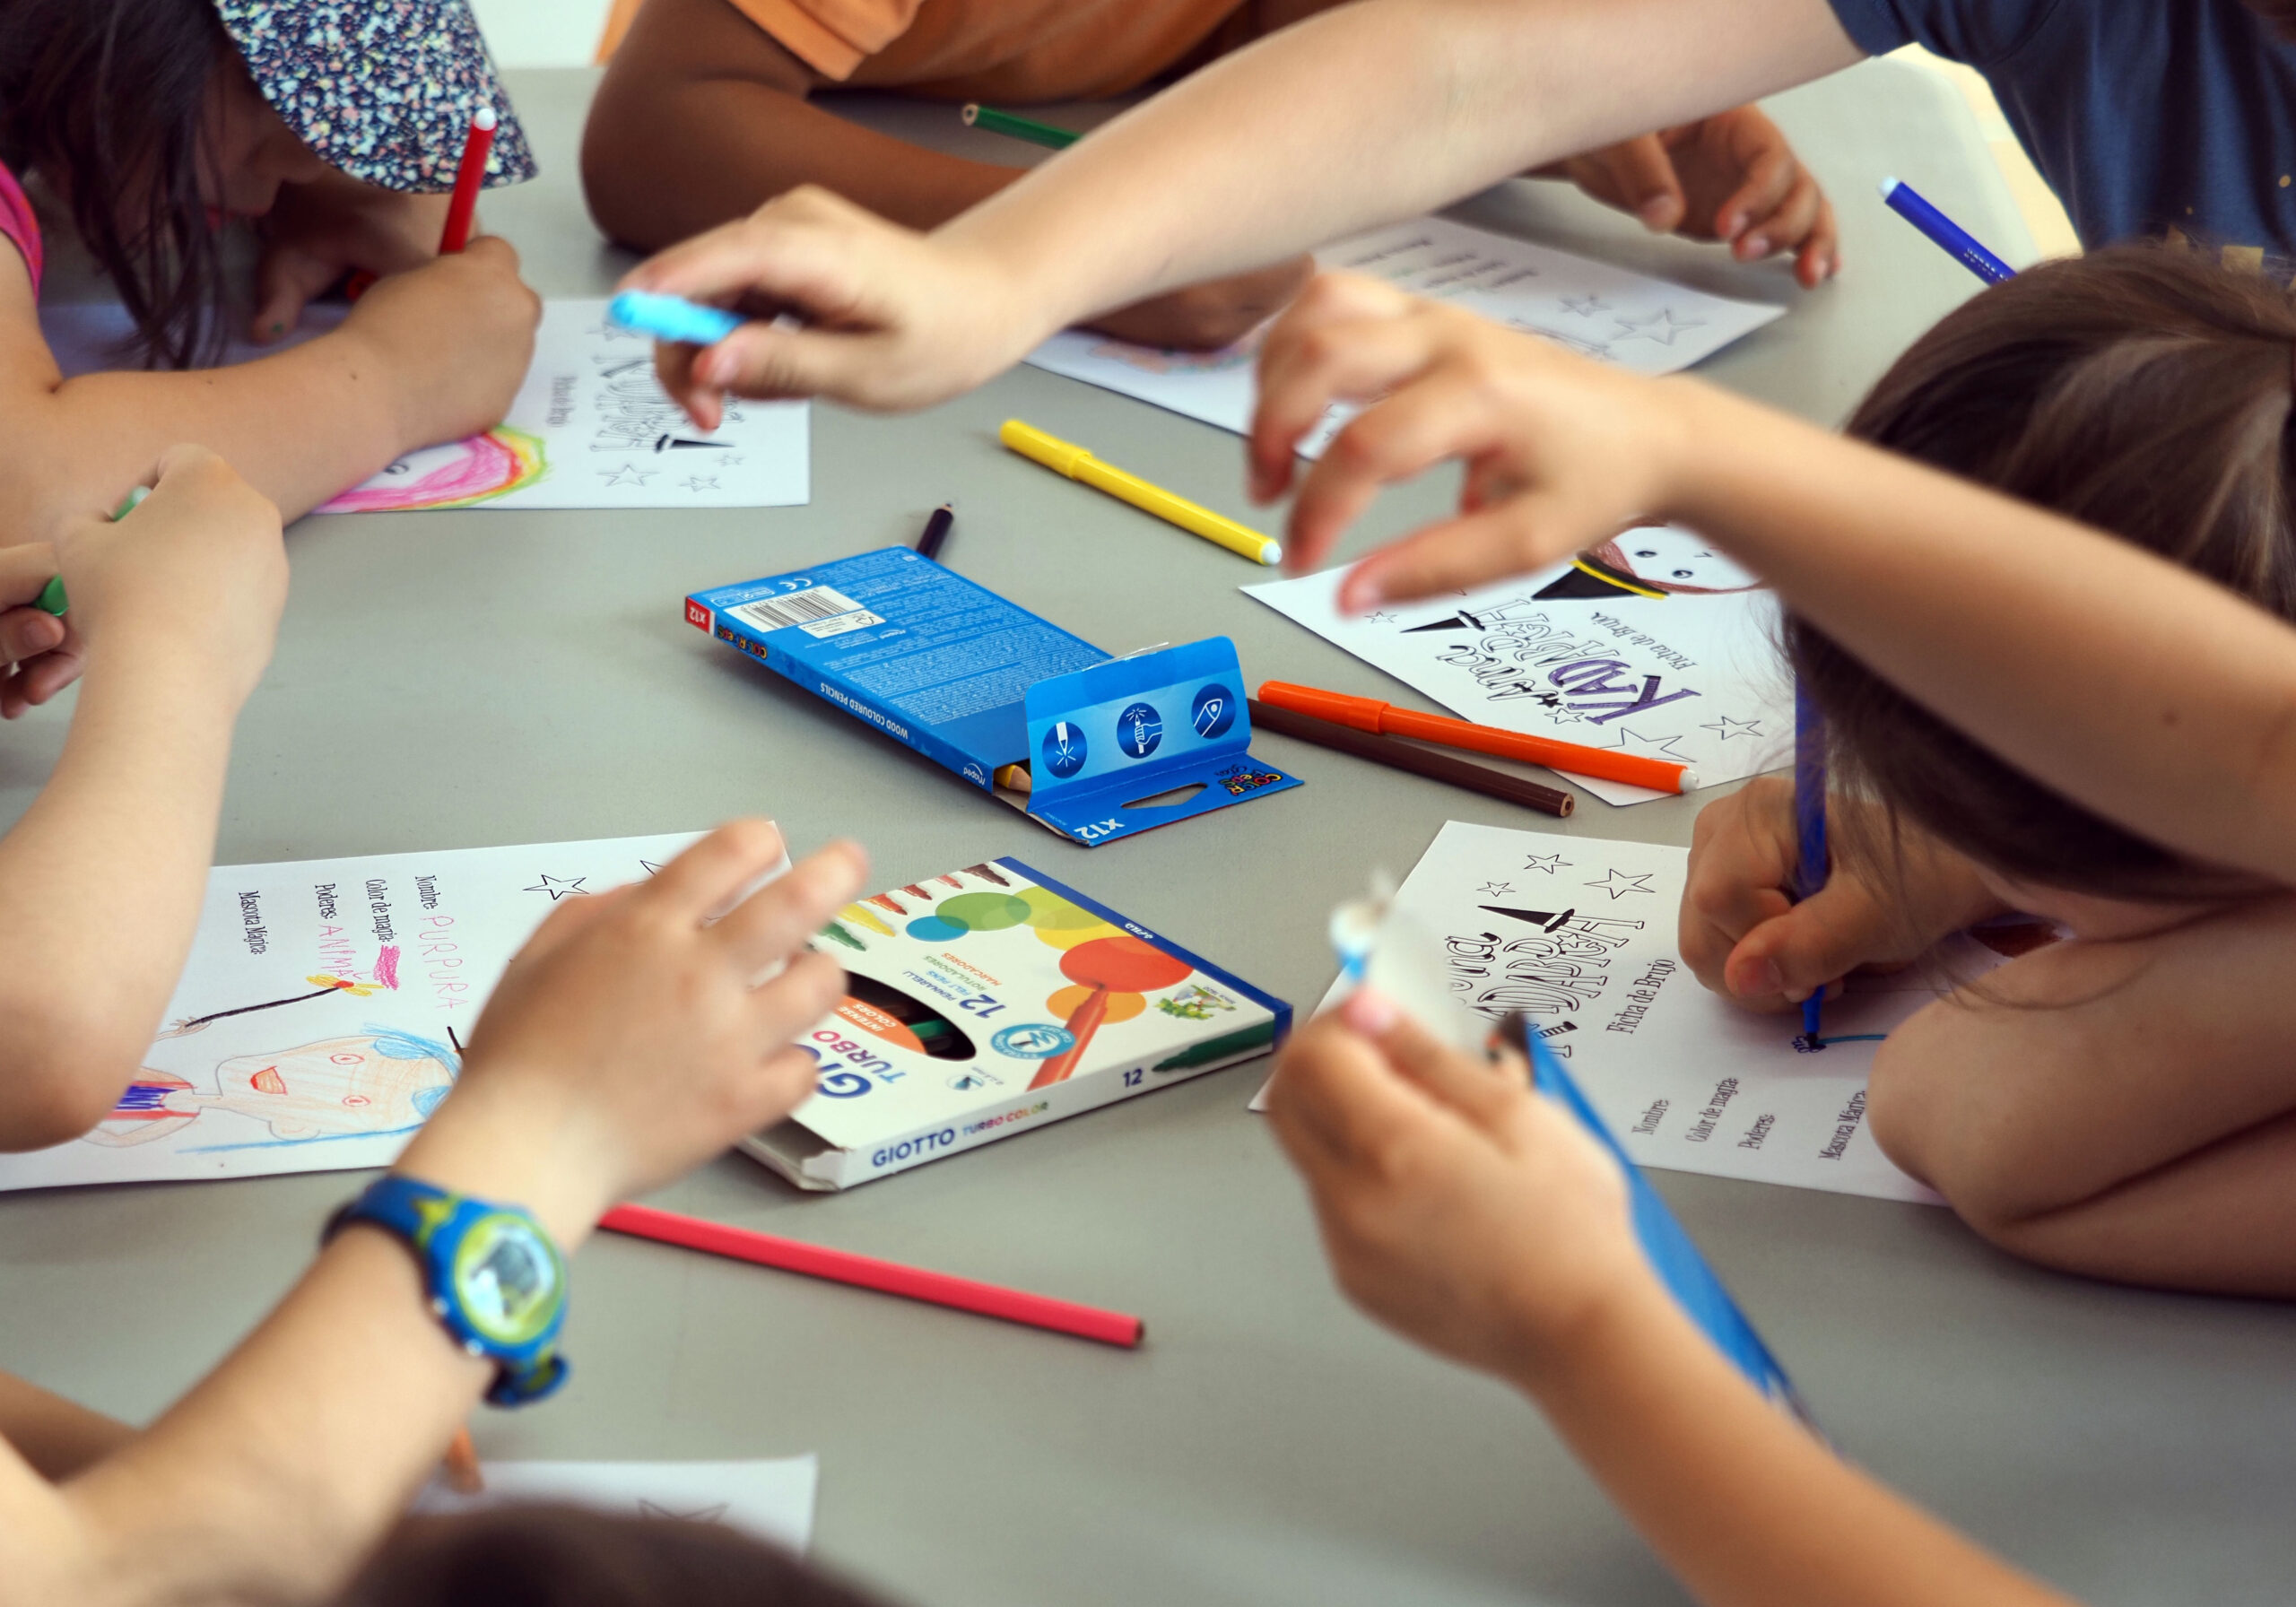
point(672, 317)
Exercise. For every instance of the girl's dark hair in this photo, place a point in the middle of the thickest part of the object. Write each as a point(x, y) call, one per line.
point(2143, 390)
point(105, 101)
point(551, 1556)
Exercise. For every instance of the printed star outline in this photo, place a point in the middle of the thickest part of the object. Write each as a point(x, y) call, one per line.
point(1729, 727)
point(1585, 306)
point(1662, 326)
point(1549, 863)
point(1631, 741)
point(559, 887)
point(1496, 890)
point(629, 474)
point(1618, 883)
point(699, 482)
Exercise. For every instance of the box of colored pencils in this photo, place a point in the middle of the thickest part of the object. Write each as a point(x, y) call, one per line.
point(1089, 746)
point(991, 1001)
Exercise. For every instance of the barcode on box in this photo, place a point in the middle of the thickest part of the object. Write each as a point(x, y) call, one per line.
point(807, 607)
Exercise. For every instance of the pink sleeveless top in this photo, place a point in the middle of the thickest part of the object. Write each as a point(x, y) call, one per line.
point(18, 225)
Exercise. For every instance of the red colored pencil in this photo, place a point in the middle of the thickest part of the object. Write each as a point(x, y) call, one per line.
point(866, 1271)
point(469, 178)
point(461, 206)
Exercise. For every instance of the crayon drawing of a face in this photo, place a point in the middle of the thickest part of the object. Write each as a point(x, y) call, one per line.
point(1673, 560)
point(373, 1083)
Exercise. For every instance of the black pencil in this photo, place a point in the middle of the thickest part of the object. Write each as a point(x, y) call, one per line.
point(1419, 762)
point(937, 530)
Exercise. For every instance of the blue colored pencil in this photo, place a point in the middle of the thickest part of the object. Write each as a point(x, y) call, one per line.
point(1671, 1251)
point(1956, 243)
point(1812, 864)
point(672, 317)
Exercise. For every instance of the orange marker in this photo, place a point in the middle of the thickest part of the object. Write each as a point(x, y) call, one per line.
point(1370, 714)
point(463, 1476)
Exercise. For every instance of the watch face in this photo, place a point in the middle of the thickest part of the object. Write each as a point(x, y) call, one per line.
point(507, 1277)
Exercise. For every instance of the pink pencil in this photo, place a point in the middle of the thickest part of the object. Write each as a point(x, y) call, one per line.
point(866, 1271)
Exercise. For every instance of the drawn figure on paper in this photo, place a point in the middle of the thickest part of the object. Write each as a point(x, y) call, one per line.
point(323, 984)
point(1650, 561)
point(374, 1082)
point(457, 475)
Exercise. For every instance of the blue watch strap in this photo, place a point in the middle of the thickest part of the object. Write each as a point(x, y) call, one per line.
point(495, 1280)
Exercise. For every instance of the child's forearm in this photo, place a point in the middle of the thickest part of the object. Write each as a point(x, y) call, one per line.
point(1369, 112)
point(2143, 691)
point(662, 167)
point(101, 887)
point(300, 426)
point(58, 1438)
point(273, 1478)
point(1747, 1507)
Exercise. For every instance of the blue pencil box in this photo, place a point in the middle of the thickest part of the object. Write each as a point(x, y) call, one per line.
point(975, 684)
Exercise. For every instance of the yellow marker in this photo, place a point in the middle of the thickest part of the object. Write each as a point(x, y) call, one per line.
point(867, 917)
point(1077, 463)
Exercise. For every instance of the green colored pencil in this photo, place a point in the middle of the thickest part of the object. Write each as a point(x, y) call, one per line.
point(1019, 128)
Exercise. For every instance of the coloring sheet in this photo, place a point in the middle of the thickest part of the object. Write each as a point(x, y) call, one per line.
point(1582, 933)
point(772, 1501)
point(1582, 652)
point(1637, 322)
point(320, 1018)
point(590, 428)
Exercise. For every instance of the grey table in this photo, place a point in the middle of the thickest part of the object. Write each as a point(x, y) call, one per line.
point(483, 677)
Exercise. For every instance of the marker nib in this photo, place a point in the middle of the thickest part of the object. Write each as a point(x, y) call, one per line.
point(1807, 1043)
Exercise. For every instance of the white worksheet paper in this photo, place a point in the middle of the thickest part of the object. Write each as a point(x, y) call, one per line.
point(317, 1022)
point(1611, 313)
point(591, 427)
point(772, 1500)
point(1582, 933)
point(1693, 678)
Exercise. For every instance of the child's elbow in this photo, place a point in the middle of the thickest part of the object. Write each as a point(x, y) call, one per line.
point(58, 1080)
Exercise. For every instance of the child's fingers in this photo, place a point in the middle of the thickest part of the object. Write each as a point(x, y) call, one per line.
point(1484, 1091)
point(1640, 175)
point(1801, 949)
point(1527, 530)
point(1336, 1104)
point(1337, 362)
point(1820, 258)
point(1331, 301)
point(1770, 178)
point(27, 632)
point(52, 671)
point(287, 280)
point(25, 571)
point(774, 363)
point(773, 923)
point(1440, 415)
point(716, 870)
point(1789, 223)
point(804, 991)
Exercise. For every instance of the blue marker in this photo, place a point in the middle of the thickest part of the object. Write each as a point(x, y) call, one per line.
point(1671, 1251)
point(1950, 237)
point(673, 318)
point(1812, 864)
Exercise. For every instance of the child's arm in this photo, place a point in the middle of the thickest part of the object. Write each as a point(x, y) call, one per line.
point(1478, 1218)
point(703, 117)
point(2138, 689)
point(425, 357)
point(625, 1044)
point(1365, 113)
point(100, 882)
point(58, 1438)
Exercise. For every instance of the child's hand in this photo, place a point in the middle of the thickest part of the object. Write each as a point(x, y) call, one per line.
point(318, 233)
point(34, 662)
point(1730, 178)
point(896, 319)
point(454, 338)
point(629, 1041)
point(1747, 939)
point(1561, 452)
point(1219, 312)
point(195, 577)
point(1457, 1206)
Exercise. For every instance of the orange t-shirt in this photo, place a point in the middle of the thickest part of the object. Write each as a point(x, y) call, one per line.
point(1010, 50)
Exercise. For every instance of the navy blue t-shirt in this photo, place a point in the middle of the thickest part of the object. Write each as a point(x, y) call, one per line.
point(2144, 115)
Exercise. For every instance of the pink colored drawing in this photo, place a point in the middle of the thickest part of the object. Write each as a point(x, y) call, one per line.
point(476, 469)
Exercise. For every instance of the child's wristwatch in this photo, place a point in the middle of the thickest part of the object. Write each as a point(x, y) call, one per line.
point(496, 1281)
